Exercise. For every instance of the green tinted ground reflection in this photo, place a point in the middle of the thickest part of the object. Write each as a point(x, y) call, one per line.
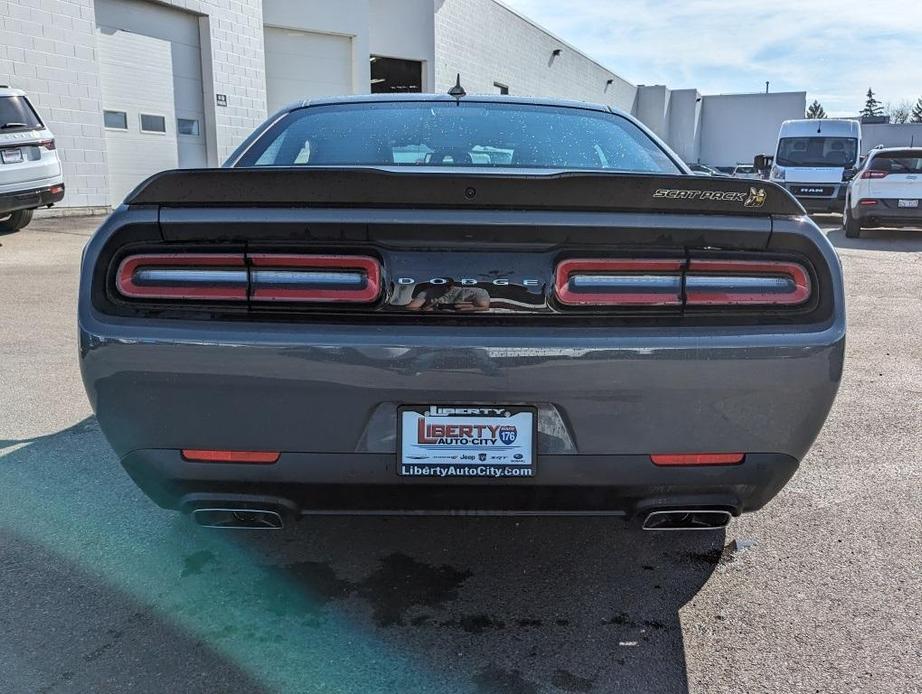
point(274, 622)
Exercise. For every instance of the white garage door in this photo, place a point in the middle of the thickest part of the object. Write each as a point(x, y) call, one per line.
point(151, 81)
point(304, 64)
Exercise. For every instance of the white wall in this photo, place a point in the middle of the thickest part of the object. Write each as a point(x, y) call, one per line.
point(487, 42)
point(48, 48)
point(404, 29)
point(685, 123)
point(652, 107)
point(736, 127)
point(891, 135)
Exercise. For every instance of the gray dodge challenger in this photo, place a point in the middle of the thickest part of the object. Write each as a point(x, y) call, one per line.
point(427, 304)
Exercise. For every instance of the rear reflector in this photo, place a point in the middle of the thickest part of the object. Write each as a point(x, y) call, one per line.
point(315, 278)
point(195, 276)
point(629, 282)
point(697, 458)
point(199, 455)
point(745, 282)
point(867, 203)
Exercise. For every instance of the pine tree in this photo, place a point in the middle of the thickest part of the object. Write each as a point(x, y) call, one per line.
point(816, 110)
point(872, 108)
point(917, 112)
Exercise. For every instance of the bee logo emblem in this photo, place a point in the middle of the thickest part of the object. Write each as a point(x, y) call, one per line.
point(756, 197)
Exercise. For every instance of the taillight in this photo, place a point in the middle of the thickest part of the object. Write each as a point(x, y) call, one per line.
point(867, 203)
point(47, 144)
point(874, 174)
point(741, 282)
point(187, 276)
point(634, 282)
point(315, 278)
point(674, 282)
point(262, 277)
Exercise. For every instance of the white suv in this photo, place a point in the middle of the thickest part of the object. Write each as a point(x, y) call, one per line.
point(30, 171)
point(886, 191)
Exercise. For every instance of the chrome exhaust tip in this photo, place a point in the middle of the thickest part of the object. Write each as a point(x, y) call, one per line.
point(238, 518)
point(691, 519)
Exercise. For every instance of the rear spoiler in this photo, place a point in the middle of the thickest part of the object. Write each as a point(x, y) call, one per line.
point(369, 187)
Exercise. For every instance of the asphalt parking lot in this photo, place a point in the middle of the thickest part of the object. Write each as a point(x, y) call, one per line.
point(104, 592)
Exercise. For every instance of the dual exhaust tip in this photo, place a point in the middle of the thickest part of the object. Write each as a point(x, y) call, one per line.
point(267, 519)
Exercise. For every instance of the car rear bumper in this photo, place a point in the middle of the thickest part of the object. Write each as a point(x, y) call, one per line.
point(886, 215)
point(367, 483)
point(326, 397)
point(47, 194)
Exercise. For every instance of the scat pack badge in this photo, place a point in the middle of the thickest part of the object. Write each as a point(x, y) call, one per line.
point(755, 197)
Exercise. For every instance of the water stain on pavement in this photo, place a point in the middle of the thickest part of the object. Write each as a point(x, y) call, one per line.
point(401, 582)
point(568, 682)
point(495, 680)
point(195, 563)
point(397, 585)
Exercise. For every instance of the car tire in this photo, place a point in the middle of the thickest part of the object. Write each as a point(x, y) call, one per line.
point(16, 221)
point(852, 226)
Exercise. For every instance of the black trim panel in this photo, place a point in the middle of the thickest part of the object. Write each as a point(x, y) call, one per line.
point(362, 187)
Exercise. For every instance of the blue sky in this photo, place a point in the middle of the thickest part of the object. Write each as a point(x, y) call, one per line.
point(832, 49)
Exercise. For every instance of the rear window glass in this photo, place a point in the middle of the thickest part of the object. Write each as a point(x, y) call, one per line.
point(898, 162)
point(16, 113)
point(467, 134)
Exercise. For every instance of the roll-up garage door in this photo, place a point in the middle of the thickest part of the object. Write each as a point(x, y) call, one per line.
point(151, 82)
point(305, 64)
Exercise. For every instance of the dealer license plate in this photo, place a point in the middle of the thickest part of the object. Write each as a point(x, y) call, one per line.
point(907, 203)
point(448, 441)
point(11, 156)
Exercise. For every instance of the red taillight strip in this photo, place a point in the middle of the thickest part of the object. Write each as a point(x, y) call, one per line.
point(746, 270)
point(642, 270)
point(200, 455)
point(125, 279)
point(368, 266)
point(669, 459)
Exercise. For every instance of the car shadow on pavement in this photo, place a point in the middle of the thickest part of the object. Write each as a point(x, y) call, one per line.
point(897, 240)
point(345, 604)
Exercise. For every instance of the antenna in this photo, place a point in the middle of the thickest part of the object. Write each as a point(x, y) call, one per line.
point(457, 91)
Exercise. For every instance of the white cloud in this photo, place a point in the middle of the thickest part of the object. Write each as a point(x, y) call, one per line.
point(833, 49)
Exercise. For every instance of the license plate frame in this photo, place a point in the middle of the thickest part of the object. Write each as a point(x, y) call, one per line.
point(497, 455)
point(905, 204)
point(12, 155)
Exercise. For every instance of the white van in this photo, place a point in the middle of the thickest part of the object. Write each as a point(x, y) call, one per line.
point(815, 159)
point(30, 171)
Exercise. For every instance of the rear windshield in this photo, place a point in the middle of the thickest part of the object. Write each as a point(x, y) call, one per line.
point(466, 134)
point(898, 162)
point(17, 114)
point(817, 151)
